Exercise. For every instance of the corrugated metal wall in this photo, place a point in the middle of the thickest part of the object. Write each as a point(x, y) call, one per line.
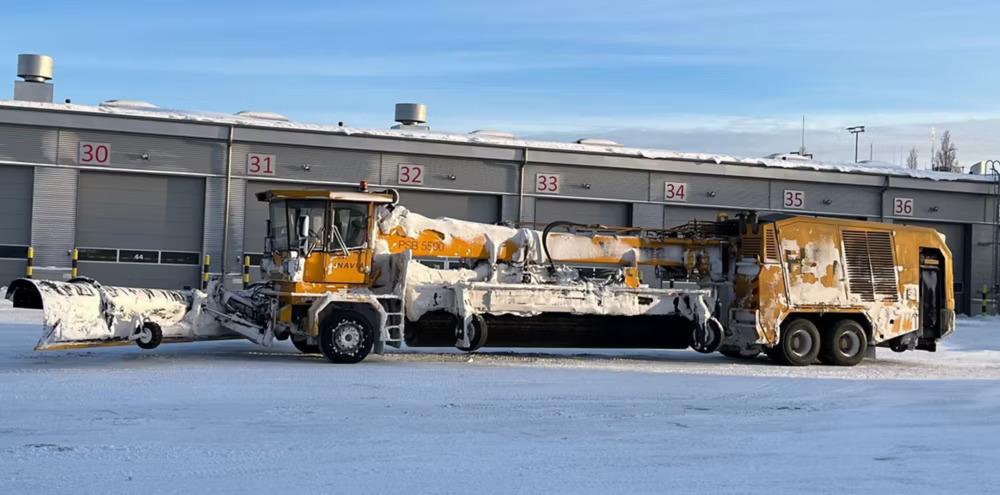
point(53, 215)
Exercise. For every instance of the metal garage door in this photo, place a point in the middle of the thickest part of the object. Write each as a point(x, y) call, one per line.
point(956, 239)
point(680, 215)
point(473, 207)
point(16, 184)
point(140, 230)
point(605, 213)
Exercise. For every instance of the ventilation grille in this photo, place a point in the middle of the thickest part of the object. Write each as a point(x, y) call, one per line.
point(871, 269)
point(750, 248)
point(770, 245)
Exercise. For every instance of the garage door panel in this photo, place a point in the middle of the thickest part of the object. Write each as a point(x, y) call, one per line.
point(472, 207)
point(140, 212)
point(16, 184)
point(680, 215)
point(11, 269)
point(605, 213)
point(144, 213)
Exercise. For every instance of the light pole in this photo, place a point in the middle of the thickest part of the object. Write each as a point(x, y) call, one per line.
point(856, 130)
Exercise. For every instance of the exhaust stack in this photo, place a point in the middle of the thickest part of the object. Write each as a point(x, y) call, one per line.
point(36, 71)
point(411, 116)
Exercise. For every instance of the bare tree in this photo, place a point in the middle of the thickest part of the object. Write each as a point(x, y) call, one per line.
point(946, 158)
point(911, 160)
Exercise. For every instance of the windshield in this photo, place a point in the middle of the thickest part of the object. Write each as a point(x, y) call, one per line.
point(350, 221)
point(315, 211)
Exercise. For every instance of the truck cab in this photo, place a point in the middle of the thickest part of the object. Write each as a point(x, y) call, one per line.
point(320, 240)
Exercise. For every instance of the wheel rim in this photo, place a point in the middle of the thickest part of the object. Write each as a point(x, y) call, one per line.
point(849, 344)
point(145, 335)
point(801, 343)
point(347, 336)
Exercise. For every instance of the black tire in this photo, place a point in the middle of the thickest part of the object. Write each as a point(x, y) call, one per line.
point(304, 346)
point(845, 344)
point(478, 333)
point(800, 343)
point(707, 339)
point(151, 336)
point(346, 337)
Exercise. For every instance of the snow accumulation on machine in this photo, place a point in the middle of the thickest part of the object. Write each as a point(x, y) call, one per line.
point(347, 273)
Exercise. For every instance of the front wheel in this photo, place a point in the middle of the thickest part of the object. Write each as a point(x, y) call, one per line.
point(150, 336)
point(346, 337)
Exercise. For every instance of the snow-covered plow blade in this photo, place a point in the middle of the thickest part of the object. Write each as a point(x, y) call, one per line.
point(83, 313)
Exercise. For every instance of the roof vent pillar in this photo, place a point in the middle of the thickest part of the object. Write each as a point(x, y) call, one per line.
point(411, 116)
point(36, 71)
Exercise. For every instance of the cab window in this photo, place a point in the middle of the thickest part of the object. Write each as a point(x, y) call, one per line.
point(350, 220)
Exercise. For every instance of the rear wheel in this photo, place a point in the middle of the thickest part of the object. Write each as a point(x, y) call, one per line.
point(303, 345)
point(845, 344)
point(799, 345)
point(346, 337)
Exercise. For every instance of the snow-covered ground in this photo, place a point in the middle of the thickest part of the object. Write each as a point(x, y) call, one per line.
point(229, 417)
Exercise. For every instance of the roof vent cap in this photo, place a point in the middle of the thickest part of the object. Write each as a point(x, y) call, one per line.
point(127, 104)
point(411, 113)
point(493, 133)
point(597, 142)
point(263, 115)
point(34, 68)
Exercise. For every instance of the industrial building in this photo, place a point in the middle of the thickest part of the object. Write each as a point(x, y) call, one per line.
point(143, 193)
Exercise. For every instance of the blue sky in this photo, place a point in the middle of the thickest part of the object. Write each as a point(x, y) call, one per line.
point(700, 75)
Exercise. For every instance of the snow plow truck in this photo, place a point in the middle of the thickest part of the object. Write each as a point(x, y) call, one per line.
point(347, 273)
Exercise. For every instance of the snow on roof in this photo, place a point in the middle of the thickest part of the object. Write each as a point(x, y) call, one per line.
point(248, 120)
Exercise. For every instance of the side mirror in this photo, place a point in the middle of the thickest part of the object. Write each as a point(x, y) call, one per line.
point(303, 224)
